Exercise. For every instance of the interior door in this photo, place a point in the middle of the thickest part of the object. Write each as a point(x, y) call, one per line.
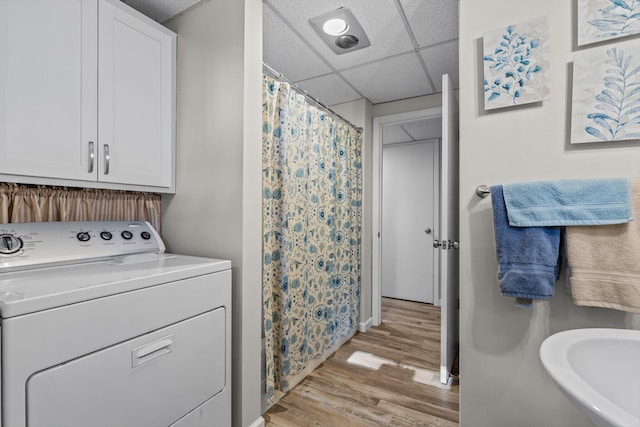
point(407, 221)
point(449, 230)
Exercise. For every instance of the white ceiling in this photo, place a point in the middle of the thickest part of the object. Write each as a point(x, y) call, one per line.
point(413, 42)
point(413, 131)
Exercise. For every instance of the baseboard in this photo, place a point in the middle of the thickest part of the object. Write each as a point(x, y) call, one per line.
point(364, 326)
point(258, 423)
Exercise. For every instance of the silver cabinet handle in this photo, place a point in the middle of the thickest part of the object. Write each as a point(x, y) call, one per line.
point(92, 156)
point(106, 159)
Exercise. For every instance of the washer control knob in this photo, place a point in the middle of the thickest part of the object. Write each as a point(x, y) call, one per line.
point(83, 236)
point(127, 235)
point(106, 235)
point(9, 244)
point(145, 235)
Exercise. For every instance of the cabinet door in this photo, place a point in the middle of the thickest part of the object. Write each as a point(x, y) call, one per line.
point(48, 87)
point(136, 98)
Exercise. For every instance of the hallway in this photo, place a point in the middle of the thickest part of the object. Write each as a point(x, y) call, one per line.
point(380, 378)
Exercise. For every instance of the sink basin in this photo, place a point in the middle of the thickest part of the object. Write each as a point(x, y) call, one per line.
point(599, 371)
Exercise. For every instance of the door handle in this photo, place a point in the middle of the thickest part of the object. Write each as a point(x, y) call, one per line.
point(436, 244)
point(427, 230)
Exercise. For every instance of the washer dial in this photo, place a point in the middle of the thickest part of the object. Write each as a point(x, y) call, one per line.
point(9, 244)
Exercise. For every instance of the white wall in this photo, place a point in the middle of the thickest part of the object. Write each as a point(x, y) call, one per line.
point(502, 380)
point(216, 211)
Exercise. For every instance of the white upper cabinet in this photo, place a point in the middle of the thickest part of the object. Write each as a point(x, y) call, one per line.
point(136, 75)
point(87, 95)
point(48, 87)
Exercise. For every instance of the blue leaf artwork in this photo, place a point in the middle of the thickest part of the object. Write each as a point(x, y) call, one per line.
point(600, 20)
point(606, 94)
point(515, 64)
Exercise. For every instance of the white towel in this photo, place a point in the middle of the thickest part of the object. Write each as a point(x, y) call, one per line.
point(604, 262)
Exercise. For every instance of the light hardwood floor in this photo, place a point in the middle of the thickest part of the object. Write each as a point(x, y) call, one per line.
point(340, 393)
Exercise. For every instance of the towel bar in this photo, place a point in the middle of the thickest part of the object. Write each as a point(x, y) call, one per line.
point(483, 191)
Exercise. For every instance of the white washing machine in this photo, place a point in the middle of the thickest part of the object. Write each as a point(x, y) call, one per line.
point(100, 327)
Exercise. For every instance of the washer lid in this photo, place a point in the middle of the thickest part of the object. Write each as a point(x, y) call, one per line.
point(23, 292)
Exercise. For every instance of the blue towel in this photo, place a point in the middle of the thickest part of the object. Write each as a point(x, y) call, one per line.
point(528, 257)
point(568, 202)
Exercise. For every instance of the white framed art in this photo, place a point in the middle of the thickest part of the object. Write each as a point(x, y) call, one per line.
point(516, 64)
point(600, 20)
point(606, 93)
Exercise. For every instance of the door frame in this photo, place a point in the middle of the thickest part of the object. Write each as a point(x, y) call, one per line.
point(376, 261)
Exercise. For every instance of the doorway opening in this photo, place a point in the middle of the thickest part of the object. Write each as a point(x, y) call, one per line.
point(443, 234)
point(426, 127)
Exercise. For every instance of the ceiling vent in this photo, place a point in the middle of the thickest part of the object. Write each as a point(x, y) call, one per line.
point(340, 30)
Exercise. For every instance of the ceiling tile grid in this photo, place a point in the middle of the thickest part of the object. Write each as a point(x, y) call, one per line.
point(390, 79)
point(432, 21)
point(442, 59)
point(329, 89)
point(382, 24)
point(407, 54)
point(283, 49)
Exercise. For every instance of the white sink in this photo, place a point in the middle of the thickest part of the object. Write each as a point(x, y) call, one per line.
point(599, 370)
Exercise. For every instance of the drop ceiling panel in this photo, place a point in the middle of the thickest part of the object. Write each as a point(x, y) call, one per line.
point(440, 60)
point(161, 10)
point(286, 52)
point(420, 130)
point(393, 134)
point(432, 21)
point(391, 79)
point(329, 89)
point(381, 22)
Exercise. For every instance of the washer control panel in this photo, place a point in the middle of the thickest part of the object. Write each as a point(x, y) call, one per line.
point(29, 245)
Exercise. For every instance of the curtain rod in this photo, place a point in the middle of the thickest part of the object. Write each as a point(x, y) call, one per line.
point(303, 92)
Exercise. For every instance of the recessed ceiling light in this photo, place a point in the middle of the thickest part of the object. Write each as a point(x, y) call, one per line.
point(335, 27)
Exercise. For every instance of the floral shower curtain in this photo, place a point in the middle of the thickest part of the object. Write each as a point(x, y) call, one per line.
point(312, 193)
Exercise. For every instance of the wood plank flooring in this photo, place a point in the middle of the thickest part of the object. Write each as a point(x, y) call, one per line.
point(343, 393)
